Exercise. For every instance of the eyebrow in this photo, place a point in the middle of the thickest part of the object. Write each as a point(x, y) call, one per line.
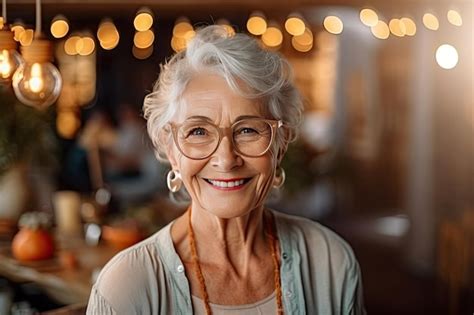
point(198, 117)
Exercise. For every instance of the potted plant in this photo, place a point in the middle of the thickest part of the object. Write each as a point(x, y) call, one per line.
point(26, 143)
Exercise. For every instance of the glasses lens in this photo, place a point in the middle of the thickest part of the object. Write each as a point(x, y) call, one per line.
point(197, 139)
point(252, 137)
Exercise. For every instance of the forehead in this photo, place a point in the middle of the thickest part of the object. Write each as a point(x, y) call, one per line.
point(209, 95)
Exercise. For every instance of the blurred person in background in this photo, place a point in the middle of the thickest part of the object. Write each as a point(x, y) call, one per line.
point(222, 113)
point(122, 155)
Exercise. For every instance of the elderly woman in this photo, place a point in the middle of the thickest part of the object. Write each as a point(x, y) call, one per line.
point(222, 114)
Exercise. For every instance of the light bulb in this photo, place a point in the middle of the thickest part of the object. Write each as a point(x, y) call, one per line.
point(37, 82)
point(10, 59)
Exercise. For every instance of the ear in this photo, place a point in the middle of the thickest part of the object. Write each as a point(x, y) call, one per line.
point(171, 155)
point(282, 150)
point(281, 153)
point(168, 144)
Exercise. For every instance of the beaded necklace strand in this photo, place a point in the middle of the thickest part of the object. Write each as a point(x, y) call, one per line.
point(272, 240)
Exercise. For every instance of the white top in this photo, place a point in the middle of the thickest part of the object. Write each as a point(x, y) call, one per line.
point(319, 275)
point(267, 305)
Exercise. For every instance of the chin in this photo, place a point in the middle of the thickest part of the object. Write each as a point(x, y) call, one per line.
point(229, 210)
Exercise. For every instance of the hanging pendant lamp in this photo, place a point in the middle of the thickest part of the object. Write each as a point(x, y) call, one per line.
point(37, 82)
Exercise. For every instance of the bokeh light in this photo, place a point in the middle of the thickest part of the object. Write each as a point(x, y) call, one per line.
point(369, 17)
point(257, 24)
point(333, 24)
point(430, 21)
point(447, 56)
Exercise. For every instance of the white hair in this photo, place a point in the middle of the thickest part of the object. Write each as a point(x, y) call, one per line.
point(238, 58)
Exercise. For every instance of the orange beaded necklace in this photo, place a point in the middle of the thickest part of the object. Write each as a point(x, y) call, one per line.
point(272, 240)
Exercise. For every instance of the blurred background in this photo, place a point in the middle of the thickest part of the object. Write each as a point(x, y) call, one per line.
point(385, 155)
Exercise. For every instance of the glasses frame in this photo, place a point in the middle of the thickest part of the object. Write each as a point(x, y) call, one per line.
point(224, 132)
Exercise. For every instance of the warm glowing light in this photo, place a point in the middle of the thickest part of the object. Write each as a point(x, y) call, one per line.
point(70, 45)
point(295, 25)
point(454, 17)
point(110, 45)
point(108, 35)
point(305, 39)
point(397, 28)
point(181, 27)
point(369, 17)
point(59, 27)
point(188, 36)
point(447, 56)
point(36, 81)
point(229, 29)
point(142, 54)
point(430, 21)
point(67, 124)
point(85, 46)
point(333, 24)
point(5, 64)
point(299, 47)
point(26, 37)
point(256, 24)
point(1, 22)
point(17, 29)
point(178, 44)
point(381, 30)
point(410, 26)
point(272, 37)
point(143, 21)
point(144, 39)
point(37, 84)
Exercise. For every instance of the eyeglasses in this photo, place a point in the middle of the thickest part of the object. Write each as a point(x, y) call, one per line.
point(198, 139)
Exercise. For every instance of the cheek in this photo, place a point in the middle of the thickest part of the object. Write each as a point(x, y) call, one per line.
point(266, 169)
point(189, 169)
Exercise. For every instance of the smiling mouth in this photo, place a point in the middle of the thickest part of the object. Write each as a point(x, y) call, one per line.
point(226, 184)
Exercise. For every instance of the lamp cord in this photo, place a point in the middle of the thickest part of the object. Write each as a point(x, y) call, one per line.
point(4, 11)
point(38, 18)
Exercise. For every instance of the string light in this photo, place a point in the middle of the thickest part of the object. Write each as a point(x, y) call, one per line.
point(397, 28)
point(454, 17)
point(369, 17)
point(410, 26)
point(430, 21)
point(272, 37)
point(230, 30)
point(295, 25)
point(143, 20)
point(85, 46)
point(381, 30)
point(333, 24)
point(70, 45)
point(257, 24)
point(108, 35)
point(59, 27)
point(143, 39)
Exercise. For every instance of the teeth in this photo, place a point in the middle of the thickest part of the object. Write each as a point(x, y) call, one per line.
point(226, 184)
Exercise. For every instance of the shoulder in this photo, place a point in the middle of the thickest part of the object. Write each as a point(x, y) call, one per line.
point(315, 240)
point(132, 275)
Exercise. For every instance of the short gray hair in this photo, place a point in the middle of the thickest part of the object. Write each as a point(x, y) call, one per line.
point(267, 77)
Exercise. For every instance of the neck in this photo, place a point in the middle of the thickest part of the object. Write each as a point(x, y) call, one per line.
point(234, 240)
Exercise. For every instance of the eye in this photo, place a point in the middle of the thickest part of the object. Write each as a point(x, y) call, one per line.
point(199, 131)
point(246, 130)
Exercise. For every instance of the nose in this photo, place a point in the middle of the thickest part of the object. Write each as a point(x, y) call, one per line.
point(225, 158)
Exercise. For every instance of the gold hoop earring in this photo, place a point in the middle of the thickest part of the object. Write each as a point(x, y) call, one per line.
point(279, 178)
point(174, 181)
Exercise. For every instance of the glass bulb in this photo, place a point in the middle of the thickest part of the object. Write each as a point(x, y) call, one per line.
point(37, 84)
point(10, 60)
